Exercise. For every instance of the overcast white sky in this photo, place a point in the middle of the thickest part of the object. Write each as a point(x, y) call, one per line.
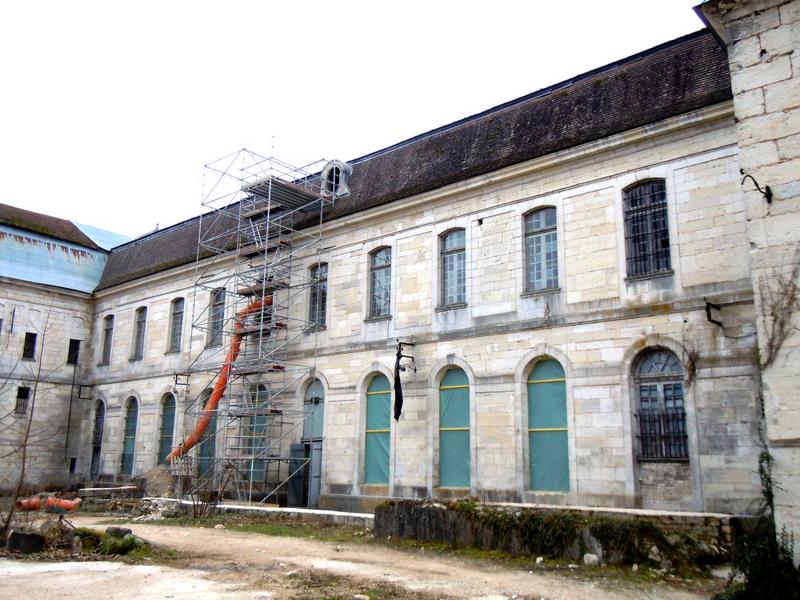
point(110, 109)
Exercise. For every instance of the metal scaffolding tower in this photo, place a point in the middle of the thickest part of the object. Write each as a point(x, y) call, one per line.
point(259, 234)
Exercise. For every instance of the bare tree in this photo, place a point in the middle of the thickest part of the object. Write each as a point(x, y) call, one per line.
point(780, 300)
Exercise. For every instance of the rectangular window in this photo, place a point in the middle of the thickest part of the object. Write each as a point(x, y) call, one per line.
point(216, 317)
point(319, 295)
point(29, 349)
point(73, 352)
point(23, 394)
point(176, 325)
point(380, 282)
point(454, 268)
point(108, 334)
point(139, 326)
point(541, 250)
point(646, 229)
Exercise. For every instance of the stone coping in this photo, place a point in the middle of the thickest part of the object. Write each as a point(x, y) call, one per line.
point(642, 512)
point(365, 520)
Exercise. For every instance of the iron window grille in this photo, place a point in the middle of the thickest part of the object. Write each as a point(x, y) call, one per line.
point(453, 265)
point(661, 417)
point(647, 229)
point(23, 395)
point(380, 282)
point(541, 250)
point(138, 335)
point(176, 325)
point(317, 310)
point(29, 349)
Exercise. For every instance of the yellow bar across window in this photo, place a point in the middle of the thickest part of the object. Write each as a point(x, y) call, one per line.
point(453, 428)
point(547, 429)
point(377, 431)
point(546, 380)
point(379, 393)
point(454, 387)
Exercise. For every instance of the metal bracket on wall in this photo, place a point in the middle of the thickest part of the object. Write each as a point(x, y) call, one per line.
point(717, 307)
point(766, 192)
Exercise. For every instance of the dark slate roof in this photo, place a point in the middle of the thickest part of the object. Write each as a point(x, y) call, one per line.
point(674, 78)
point(53, 227)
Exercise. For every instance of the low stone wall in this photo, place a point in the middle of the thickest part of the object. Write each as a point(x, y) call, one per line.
point(615, 536)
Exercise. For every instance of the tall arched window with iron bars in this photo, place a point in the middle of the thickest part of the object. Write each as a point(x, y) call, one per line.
point(647, 249)
point(129, 436)
point(658, 379)
point(165, 438)
point(380, 269)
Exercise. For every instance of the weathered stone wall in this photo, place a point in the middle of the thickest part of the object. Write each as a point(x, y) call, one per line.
point(763, 41)
point(658, 539)
point(55, 315)
point(595, 324)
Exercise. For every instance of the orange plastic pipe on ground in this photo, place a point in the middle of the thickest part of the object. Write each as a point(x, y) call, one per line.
point(28, 503)
point(61, 504)
point(222, 381)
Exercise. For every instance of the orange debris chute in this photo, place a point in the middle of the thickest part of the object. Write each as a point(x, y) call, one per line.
point(222, 381)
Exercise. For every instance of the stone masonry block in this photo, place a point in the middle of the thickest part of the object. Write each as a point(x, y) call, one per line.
point(761, 74)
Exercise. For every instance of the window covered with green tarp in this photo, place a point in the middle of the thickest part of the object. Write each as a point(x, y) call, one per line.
point(207, 448)
point(454, 452)
point(378, 427)
point(547, 427)
point(129, 439)
point(167, 427)
point(256, 434)
point(314, 409)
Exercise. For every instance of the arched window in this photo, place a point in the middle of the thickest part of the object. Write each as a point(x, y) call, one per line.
point(167, 427)
point(108, 334)
point(207, 448)
point(318, 301)
point(662, 418)
point(176, 325)
point(216, 317)
point(378, 428)
point(541, 250)
point(129, 439)
point(646, 228)
point(453, 259)
point(97, 438)
point(139, 326)
point(547, 427)
point(454, 445)
point(380, 268)
point(314, 410)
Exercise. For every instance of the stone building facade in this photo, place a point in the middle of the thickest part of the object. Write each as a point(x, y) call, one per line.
point(574, 271)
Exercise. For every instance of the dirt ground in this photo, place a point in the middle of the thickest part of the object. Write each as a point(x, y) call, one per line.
point(224, 563)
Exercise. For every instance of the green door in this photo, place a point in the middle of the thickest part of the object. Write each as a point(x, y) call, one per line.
point(207, 448)
point(547, 427)
point(129, 440)
point(376, 439)
point(454, 451)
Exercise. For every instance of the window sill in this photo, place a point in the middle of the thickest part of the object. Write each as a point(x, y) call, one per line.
point(134, 359)
point(646, 276)
point(26, 359)
point(451, 307)
point(103, 364)
point(171, 352)
point(315, 328)
point(541, 292)
point(378, 318)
